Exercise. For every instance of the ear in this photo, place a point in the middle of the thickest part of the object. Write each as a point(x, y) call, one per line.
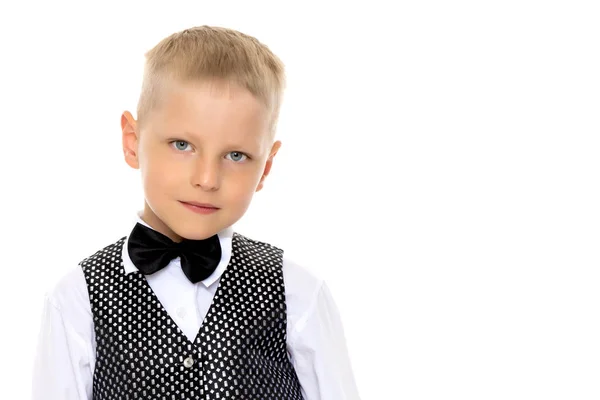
point(130, 140)
point(268, 165)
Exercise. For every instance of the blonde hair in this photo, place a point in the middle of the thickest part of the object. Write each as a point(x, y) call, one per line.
point(213, 53)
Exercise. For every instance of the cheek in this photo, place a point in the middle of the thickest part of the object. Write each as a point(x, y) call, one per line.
point(243, 186)
point(158, 172)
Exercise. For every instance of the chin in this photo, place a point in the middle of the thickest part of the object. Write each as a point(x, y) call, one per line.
point(199, 236)
point(191, 231)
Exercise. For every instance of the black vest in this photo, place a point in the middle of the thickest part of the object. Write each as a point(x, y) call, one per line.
point(239, 352)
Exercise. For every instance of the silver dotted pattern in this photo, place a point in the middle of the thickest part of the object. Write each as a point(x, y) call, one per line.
point(240, 349)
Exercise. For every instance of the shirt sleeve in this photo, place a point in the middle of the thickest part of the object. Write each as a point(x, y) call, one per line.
point(62, 368)
point(319, 353)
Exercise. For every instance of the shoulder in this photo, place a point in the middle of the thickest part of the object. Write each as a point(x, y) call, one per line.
point(302, 283)
point(246, 242)
point(296, 275)
point(69, 295)
point(111, 251)
point(69, 292)
point(300, 277)
point(302, 290)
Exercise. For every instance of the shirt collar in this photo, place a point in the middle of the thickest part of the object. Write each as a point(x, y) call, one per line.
point(225, 238)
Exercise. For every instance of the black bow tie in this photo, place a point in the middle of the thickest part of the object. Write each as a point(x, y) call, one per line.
point(151, 251)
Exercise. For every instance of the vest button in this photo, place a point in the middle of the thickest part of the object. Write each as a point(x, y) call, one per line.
point(188, 362)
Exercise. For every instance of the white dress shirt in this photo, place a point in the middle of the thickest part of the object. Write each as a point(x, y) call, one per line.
point(316, 346)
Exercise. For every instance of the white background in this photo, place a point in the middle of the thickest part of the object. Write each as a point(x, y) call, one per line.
point(439, 169)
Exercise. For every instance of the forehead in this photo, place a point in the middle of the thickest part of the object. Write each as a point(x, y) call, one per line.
point(212, 107)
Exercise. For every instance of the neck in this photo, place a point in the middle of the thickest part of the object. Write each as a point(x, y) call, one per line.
point(155, 223)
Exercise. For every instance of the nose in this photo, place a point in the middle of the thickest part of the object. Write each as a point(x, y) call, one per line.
point(206, 174)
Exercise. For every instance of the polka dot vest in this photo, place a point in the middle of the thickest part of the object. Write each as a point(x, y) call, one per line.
point(238, 353)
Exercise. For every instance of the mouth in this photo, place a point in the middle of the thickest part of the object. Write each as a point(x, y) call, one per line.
point(201, 208)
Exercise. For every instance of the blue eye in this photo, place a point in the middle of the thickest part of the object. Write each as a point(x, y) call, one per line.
point(180, 144)
point(236, 156)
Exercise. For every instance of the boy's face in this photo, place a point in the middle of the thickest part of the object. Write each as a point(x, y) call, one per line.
point(206, 143)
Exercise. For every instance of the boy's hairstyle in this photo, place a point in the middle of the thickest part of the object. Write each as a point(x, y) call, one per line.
point(207, 53)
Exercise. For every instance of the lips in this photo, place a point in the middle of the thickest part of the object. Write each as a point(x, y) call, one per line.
point(200, 208)
point(201, 205)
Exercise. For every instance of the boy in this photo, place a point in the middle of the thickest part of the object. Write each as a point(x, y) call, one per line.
point(183, 307)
